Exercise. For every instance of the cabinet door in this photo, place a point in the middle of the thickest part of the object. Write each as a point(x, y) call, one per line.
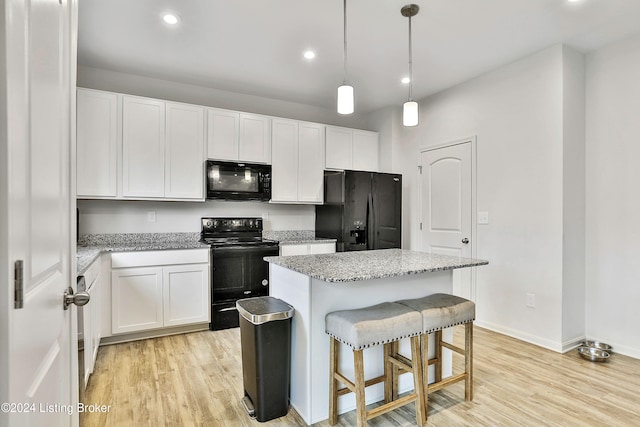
point(284, 161)
point(294, 249)
point(255, 139)
point(97, 142)
point(338, 148)
point(184, 172)
point(136, 295)
point(365, 151)
point(143, 131)
point(322, 248)
point(96, 315)
point(186, 294)
point(310, 162)
point(222, 134)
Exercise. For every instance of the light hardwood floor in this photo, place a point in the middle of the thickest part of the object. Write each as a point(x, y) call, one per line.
point(196, 380)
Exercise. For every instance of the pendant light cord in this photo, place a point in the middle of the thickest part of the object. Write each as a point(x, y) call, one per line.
point(410, 61)
point(344, 50)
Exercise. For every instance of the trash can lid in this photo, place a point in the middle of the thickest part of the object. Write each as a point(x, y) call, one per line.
point(261, 310)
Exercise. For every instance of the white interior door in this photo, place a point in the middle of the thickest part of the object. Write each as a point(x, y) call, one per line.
point(39, 374)
point(447, 208)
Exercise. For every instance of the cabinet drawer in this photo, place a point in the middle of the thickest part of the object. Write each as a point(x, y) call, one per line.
point(153, 258)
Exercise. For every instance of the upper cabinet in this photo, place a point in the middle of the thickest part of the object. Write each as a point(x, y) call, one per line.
point(297, 162)
point(143, 140)
point(97, 143)
point(351, 149)
point(238, 137)
point(136, 148)
point(184, 151)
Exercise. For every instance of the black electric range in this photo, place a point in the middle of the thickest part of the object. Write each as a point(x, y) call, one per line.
point(237, 266)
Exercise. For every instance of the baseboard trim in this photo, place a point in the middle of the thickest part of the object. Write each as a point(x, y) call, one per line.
point(136, 336)
point(522, 336)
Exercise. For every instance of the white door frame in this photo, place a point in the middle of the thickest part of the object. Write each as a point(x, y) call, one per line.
point(474, 209)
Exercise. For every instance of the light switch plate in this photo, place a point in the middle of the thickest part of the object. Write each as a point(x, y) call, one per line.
point(483, 217)
point(151, 216)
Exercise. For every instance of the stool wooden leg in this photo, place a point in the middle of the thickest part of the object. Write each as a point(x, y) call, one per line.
point(333, 383)
point(438, 367)
point(418, 381)
point(396, 371)
point(468, 361)
point(361, 405)
point(424, 339)
point(388, 373)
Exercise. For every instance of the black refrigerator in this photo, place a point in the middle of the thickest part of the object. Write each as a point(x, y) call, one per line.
point(362, 210)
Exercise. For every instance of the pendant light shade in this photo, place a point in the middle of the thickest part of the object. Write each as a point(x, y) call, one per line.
point(410, 108)
point(345, 91)
point(410, 113)
point(345, 99)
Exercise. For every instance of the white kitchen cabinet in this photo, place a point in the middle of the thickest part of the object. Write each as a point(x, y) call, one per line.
point(97, 139)
point(297, 161)
point(186, 294)
point(238, 137)
point(89, 319)
point(143, 147)
point(159, 289)
point(255, 139)
point(287, 249)
point(136, 303)
point(223, 132)
point(339, 147)
point(184, 160)
point(351, 149)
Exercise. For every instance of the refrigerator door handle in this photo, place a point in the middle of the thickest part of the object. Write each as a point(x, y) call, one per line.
point(370, 222)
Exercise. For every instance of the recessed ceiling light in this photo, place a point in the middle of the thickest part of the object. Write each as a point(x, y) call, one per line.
point(309, 54)
point(170, 19)
point(405, 80)
point(573, 1)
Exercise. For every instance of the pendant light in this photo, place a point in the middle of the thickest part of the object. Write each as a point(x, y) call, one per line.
point(410, 108)
point(345, 91)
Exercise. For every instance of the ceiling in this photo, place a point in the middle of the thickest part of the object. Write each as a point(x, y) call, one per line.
point(255, 46)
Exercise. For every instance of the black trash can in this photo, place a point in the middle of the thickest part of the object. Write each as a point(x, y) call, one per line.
point(265, 331)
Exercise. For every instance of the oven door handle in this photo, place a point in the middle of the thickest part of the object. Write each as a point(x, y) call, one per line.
point(243, 247)
point(228, 309)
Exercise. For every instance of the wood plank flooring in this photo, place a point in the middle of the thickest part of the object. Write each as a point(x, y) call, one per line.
point(196, 380)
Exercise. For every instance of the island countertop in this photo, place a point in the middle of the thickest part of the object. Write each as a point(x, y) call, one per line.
point(366, 265)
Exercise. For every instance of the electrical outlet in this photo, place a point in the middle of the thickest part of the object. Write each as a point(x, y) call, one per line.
point(531, 300)
point(151, 216)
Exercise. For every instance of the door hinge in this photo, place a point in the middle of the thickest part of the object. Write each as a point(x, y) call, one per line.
point(18, 282)
point(420, 169)
point(420, 226)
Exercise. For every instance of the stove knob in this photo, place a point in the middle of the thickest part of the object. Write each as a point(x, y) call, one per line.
point(208, 223)
point(265, 282)
point(215, 223)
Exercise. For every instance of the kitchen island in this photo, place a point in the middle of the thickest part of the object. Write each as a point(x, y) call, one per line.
point(319, 284)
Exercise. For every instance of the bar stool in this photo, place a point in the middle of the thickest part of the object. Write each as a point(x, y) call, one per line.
point(384, 323)
point(441, 311)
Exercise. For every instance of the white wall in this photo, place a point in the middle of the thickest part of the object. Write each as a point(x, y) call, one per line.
point(132, 84)
point(111, 216)
point(517, 114)
point(613, 201)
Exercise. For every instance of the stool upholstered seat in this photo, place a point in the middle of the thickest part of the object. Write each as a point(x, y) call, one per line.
point(385, 324)
point(375, 325)
point(440, 311)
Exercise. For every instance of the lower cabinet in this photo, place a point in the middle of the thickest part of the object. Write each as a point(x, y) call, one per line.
point(148, 292)
point(89, 319)
point(287, 249)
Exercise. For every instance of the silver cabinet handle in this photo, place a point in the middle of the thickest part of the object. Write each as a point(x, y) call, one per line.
point(465, 241)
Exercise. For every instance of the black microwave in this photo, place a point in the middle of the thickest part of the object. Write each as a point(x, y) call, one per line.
point(238, 181)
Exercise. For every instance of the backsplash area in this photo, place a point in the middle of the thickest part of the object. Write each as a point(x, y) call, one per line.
point(113, 216)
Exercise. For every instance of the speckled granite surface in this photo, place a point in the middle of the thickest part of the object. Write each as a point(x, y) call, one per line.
point(365, 265)
point(90, 246)
point(293, 237)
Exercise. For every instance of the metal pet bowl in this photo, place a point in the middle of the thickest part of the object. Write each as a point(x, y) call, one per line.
point(599, 345)
point(593, 354)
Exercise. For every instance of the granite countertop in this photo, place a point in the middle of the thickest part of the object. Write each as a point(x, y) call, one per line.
point(295, 237)
point(90, 246)
point(365, 265)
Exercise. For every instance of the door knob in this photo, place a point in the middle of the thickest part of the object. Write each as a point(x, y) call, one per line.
point(465, 241)
point(79, 299)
